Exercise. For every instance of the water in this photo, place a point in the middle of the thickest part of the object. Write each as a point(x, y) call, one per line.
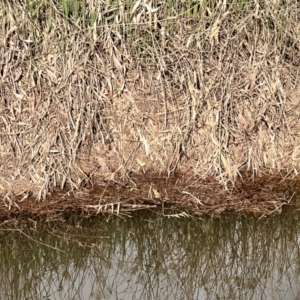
point(152, 257)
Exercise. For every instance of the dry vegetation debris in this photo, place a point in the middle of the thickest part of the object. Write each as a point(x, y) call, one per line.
point(94, 90)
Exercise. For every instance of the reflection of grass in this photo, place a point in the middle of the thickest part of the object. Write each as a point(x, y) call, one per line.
point(147, 253)
point(105, 89)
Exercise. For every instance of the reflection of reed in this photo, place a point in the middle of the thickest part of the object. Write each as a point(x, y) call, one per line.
point(233, 258)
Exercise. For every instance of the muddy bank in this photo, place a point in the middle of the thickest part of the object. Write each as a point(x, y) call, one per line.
point(169, 196)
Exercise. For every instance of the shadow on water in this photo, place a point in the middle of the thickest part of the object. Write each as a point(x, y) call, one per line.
point(153, 257)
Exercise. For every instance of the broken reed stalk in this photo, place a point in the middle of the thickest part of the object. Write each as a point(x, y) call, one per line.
point(101, 89)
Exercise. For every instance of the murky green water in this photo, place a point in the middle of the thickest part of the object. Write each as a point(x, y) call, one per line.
point(153, 257)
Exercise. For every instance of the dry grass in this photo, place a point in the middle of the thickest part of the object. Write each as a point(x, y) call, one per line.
point(104, 90)
point(170, 197)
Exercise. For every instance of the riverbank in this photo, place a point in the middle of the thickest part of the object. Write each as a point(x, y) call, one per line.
point(93, 94)
point(173, 197)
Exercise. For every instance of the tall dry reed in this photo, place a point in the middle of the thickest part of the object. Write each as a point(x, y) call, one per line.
point(103, 89)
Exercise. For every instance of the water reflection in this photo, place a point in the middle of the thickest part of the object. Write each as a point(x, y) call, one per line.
point(151, 257)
